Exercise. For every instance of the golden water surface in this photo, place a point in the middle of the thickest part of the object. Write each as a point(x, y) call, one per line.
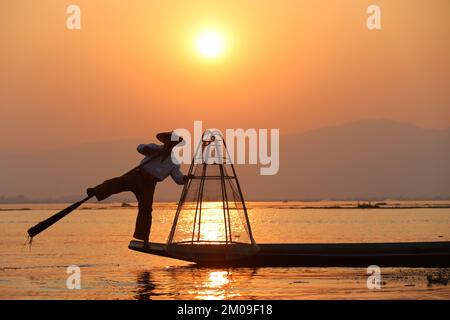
point(96, 240)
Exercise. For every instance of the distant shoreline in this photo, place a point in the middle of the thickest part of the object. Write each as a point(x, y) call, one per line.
point(384, 207)
point(282, 205)
point(113, 200)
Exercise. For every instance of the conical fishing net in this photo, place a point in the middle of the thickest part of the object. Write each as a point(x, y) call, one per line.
point(211, 213)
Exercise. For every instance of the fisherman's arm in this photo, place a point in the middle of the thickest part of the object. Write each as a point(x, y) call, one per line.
point(178, 176)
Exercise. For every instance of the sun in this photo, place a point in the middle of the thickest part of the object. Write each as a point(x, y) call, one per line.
point(210, 44)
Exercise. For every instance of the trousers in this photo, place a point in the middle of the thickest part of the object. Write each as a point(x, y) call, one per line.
point(143, 187)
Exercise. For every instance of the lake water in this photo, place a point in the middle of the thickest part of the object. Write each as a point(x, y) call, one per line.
point(96, 240)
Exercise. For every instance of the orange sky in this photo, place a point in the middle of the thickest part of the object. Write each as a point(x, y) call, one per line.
point(294, 65)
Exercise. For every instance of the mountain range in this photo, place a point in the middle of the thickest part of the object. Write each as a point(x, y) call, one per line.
point(367, 159)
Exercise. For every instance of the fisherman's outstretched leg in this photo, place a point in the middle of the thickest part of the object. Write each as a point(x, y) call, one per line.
point(112, 186)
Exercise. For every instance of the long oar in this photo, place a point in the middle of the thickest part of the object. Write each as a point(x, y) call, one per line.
point(41, 226)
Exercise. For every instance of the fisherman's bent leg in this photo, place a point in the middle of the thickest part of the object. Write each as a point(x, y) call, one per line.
point(114, 185)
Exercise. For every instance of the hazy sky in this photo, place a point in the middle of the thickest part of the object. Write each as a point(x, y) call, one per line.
point(132, 71)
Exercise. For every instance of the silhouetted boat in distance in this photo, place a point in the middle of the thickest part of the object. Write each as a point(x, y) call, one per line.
point(404, 254)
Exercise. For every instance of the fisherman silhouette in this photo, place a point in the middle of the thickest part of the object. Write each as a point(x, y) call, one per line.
point(156, 166)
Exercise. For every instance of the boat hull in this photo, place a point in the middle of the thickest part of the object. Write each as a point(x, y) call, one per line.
point(409, 254)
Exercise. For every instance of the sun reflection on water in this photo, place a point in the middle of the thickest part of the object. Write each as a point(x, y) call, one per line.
point(210, 225)
point(216, 285)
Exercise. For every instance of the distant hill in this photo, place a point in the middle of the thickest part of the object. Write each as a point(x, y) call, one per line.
point(369, 159)
point(360, 160)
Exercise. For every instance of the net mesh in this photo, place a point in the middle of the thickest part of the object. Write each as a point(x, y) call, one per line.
point(212, 209)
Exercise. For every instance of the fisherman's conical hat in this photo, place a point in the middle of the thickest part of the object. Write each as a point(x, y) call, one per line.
point(171, 136)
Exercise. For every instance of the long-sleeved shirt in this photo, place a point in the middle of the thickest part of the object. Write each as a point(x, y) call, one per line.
point(157, 168)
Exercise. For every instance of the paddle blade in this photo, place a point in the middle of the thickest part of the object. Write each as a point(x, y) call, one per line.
point(41, 226)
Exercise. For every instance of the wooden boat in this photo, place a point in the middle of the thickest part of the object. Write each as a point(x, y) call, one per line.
point(212, 197)
point(406, 254)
